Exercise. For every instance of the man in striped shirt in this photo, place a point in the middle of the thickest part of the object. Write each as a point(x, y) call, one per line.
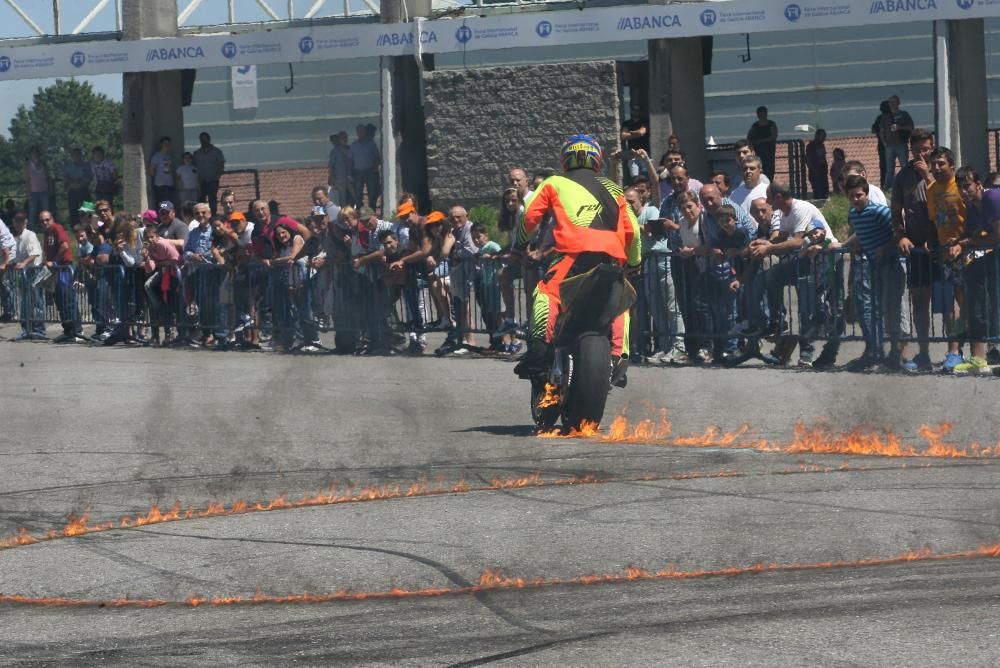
point(878, 279)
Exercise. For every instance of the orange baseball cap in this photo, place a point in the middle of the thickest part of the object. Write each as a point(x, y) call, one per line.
point(434, 217)
point(237, 215)
point(405, 209)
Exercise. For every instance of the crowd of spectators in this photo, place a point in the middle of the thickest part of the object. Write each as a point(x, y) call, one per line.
point(729, 261)
point(725, 264)
point(257, 278)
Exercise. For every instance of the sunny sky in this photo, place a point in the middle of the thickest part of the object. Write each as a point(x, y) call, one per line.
point(210, 12)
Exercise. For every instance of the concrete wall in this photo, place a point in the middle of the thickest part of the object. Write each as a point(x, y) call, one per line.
point(482, 122)
point(287, 129)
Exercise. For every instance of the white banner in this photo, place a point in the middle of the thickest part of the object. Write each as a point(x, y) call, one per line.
point(244, 86)
point(588, 26)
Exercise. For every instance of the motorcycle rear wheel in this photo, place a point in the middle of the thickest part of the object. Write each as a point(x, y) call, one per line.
point(591, 382)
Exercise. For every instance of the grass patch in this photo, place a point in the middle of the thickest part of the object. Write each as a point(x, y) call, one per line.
point(835, 212)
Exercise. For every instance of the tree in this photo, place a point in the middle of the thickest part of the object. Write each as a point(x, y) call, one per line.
point(66, 115)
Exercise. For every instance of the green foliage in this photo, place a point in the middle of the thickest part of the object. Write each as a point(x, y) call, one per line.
point(66, 115)
point(835, 212)
point(489, 216)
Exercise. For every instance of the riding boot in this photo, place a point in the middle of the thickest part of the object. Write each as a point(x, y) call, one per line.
point(619, 371)
point(533, 362)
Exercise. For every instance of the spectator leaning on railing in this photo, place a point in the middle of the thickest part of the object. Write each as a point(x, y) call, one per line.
point(27, 260)
point(8, 249)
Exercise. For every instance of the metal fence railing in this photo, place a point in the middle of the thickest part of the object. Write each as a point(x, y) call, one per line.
point(705, 302)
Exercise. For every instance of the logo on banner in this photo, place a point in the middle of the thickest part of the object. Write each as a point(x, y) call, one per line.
point(78, 59)
point(229, 50)
point(793, 13)
point(656, 22)
point(244, 69)
point(4, 63)
point(890, 6)
point(463, 34)
point(399, 38)
point(544, 29)
point(708, 18)
point(306, 44)
point(174, 53)
point(965, 4)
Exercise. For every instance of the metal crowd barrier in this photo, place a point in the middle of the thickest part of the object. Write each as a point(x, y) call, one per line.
point(831, 296)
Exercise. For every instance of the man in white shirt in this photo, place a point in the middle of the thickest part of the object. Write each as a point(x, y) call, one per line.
point(857, 168)
point(743, 151)
point(27, 259)
point(8, 248)
point(792, 222)
point(754, 185)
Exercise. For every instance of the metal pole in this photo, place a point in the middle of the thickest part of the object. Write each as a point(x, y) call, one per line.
point(389, 174)
point(55, 17)
point(389, 12)
point(942, 97)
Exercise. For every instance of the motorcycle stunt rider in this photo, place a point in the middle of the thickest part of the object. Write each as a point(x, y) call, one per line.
point(593, 223)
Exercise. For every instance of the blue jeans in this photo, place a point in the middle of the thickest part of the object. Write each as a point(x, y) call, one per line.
point(661, 300)
point(798, 273)
point(32, 303)
point(370, 178)
point(69, 311)
point(878, 295)
point(892, 153)
point(722, 307)
point(37, 202)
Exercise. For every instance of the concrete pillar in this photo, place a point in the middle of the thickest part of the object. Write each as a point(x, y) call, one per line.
point(152, 101)
point(404, 137)
point(961, 109)
point(677, 100)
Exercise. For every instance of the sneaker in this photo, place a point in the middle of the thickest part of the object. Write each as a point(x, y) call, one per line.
point(674, 356)
point(415, 348)
point(862, 363)
point(910, 366)
point(23, 336)
point(506, 327)
point(242, 324)
point(893, 361)
point(461, 350)
point(952, 360)
point(309, 348)
point(824, 361)
point(806, 362)
point(972, 366)
point(656, 358)
point(921, 362)
point(513, 348)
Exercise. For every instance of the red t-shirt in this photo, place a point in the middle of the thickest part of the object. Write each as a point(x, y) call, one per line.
point(55, 237)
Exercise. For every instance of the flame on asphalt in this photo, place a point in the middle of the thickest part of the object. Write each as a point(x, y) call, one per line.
point(79, 525)
point(493, 580)
point(816, 439)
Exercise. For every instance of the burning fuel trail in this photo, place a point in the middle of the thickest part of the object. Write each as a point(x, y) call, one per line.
point(494, 580)
point(816, 439)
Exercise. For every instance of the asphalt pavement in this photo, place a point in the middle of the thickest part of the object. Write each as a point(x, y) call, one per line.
point(439, 530)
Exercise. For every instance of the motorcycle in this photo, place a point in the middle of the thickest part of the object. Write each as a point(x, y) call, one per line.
point(579, 364)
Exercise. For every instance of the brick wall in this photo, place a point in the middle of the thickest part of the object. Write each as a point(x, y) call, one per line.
point(292, 188)
point(481, 122)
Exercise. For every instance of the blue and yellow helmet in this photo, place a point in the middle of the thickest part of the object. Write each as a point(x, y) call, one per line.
point(581, 151)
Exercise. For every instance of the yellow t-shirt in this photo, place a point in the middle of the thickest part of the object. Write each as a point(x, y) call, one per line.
point(946, 209)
